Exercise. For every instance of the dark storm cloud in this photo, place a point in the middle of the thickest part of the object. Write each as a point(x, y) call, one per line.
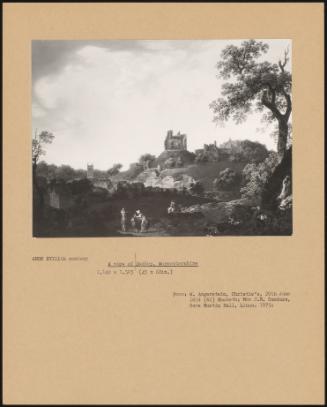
point(50, 56)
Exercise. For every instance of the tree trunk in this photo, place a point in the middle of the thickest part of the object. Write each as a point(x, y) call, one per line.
point(34, 173)
point(38, 202)
point(282, 137)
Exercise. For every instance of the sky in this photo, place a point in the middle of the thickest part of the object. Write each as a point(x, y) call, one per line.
point(109, 102)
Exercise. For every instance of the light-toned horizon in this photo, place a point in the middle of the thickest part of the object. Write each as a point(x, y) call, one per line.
point(111, 101)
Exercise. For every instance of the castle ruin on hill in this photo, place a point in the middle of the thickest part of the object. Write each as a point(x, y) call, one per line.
point(175, 142)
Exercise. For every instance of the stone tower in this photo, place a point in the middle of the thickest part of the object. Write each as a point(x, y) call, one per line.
point(175, 142)
point(90, 171)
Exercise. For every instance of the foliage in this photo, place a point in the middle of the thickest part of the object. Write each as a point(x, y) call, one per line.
point(255, 177)
point(197, 188)
point(46, 170)
point(100, 173)
point(38, 142)
point(227, 179)
point(65, 172)
point(147, 158)
point(81, 186)
point(169, 163)
point(254, 86)
point(255, 221)
point(246, 150)
point(114, 170)
point(134, 170)
point(202, 157)
point(179, 162)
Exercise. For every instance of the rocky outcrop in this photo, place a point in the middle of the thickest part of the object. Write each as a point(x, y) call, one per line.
point(152, 178)
point(217, 212)
point(274, 185)
point(174, 158)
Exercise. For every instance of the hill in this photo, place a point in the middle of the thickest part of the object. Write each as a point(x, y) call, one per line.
point(185, 156)
point(205, 173)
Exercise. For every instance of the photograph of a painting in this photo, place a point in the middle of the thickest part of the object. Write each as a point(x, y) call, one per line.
point(137, 138)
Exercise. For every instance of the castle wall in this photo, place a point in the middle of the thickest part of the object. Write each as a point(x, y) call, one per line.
point(175, 142)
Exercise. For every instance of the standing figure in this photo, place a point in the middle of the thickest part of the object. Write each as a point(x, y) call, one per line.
point(137, 220)
point(144, 224)
point(123, 219)
point(172, 208)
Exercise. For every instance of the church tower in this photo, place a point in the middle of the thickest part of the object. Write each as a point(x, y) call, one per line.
point(90, 171)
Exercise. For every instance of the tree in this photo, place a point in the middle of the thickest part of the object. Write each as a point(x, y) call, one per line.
point(179, 162)
point(81, 186)
point(256, 176)
point(227, 179)
point(147, 160)
point(246, 150)
point(169, 163)
point(42, 169)
point(38, 142)
point(114, 170)
point(202, 157)
point(134, 170)
point(260, 86)
point(197, 188)
point(65, 172)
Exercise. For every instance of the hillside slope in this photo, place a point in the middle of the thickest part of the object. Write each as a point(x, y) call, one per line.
point(205, 173)
point(185, 156)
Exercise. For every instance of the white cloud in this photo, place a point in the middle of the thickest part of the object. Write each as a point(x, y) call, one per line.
point(109, 106)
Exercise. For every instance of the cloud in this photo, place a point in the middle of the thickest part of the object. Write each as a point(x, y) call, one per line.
point(112, 101)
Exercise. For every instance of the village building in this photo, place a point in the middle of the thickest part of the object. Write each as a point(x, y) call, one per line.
point(90, 171)
point(215, 153)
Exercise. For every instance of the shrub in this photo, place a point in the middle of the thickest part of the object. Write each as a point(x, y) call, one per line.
point(134, 170)
point(255, 176)
point(246, 150)
point(197, 188)
point(179, 162)
point(169, 163)
point(202, 157)
point(227, 179)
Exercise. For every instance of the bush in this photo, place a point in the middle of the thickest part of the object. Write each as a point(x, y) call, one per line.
point(253, 151)
point(169, 163)
point(246, 150)
point(236, 157)
point(227, 179)
point(147, 159)
point(202, 157)
point(197, 188)
point(255, 177)
point(81, 186)
point(179, 162)
point(134, 170)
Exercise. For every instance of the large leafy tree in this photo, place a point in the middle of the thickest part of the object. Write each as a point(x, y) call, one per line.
point(254, 85)
point(114, 170)
point(147, 160)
